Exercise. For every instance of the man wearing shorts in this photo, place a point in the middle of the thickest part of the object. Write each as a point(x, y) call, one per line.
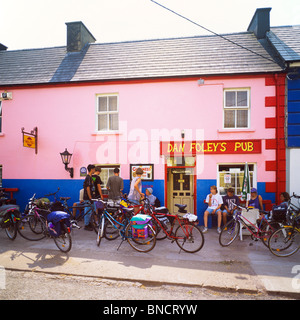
point(214, 201)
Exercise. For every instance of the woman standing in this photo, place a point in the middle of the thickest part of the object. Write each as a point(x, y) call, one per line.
point(135, 193)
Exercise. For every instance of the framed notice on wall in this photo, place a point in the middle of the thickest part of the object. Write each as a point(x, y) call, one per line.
point(147, 168)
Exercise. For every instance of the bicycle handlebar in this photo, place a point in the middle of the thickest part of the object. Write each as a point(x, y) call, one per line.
point(52, 194)
point(239, 206)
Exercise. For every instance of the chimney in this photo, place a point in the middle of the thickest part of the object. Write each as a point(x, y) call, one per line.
point(78, 36)
point(2, 47)
point(260, 23)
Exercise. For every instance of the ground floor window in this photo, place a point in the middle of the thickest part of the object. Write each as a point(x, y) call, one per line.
point(231, 176)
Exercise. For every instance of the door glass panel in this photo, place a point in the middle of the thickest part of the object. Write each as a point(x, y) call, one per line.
point(186, 184)
point(176, 183)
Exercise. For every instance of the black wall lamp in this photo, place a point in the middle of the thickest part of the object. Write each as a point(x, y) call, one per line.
point(66, 159)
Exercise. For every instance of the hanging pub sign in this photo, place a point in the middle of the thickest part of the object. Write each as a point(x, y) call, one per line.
point(175, 148)
point(30, 139)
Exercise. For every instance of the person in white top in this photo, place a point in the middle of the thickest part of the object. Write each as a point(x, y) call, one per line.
point(135, 193)
point(214, 201)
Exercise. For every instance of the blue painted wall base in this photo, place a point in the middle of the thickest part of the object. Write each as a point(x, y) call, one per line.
point(71, 188)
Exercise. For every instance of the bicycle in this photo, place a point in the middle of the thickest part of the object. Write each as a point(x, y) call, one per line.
point(285, 241)
point(124, 228)
point(187, 235)
point(35, 226)
point(262, 230)
point(9, 216)
point(80, 217)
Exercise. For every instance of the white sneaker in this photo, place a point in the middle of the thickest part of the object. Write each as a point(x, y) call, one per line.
point(204, 230)
point(219, 230)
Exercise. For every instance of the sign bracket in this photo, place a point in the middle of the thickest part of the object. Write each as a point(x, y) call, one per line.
point(30, 139)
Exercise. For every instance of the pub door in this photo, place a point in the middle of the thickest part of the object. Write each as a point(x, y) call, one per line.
point(181, 188)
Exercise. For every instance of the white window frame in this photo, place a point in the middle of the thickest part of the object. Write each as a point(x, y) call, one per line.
point(236, 108)
point(98, 113)
point(233, 165)
point(110, 169)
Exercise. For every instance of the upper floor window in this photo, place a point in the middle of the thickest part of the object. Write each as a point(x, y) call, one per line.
point(236, 108)
point(107, 112)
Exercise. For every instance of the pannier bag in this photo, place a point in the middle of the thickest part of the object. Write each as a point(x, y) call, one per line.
point(279, 213)
point(191, 217)
point(55, 220)
point(161, 210)
point(139, 225)
point(57, 206)
point(5, 214)
point(99, 205)
point(124, 204)
point(42, 203)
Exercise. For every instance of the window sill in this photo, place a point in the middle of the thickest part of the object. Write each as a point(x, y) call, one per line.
point(235, 130)
point(105, 133)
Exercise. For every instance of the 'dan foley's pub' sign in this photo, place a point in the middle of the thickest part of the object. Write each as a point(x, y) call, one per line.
point(210, 147)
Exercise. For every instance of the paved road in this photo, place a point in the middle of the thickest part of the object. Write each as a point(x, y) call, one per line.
point(238, 268)
point(22, 285)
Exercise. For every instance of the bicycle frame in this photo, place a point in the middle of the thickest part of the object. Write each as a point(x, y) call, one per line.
point(257, 228)
point(239, 217)
point(175, 217)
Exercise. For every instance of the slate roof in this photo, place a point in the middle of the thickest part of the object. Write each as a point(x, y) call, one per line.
point(286, 41)
point(178, 57)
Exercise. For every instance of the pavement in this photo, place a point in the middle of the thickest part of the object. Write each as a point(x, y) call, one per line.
point(245, 266)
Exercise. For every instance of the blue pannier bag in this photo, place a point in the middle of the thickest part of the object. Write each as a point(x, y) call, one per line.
point(54, 220)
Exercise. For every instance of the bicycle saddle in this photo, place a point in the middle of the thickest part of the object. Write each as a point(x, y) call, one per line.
point(65, 198)
point(128, 210)
point(181, 206)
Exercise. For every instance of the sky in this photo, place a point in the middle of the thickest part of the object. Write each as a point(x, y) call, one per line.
point(41, 23)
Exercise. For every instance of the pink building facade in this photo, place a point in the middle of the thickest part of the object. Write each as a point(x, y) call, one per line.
point(147, 113)
point(189, 114)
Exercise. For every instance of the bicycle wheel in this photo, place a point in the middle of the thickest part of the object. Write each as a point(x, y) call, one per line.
point(229, 233)
point(166, 224)
point(267, 230)
point(64, 241)
point(189, 237)
point(111, 232)
point(95, 218)
point(100, 231)
point(32, 227)
point(284, 242)
point(145, 244)
point(11, 230)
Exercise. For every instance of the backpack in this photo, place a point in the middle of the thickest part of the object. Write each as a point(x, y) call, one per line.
point(156, 203)
point(55, 220)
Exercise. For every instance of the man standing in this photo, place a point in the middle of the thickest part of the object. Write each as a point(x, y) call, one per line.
point(97, 181)
point(115, 186)
point(88, 195)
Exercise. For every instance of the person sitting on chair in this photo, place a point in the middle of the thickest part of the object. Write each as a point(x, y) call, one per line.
point(228, 202)
point(214, 201)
